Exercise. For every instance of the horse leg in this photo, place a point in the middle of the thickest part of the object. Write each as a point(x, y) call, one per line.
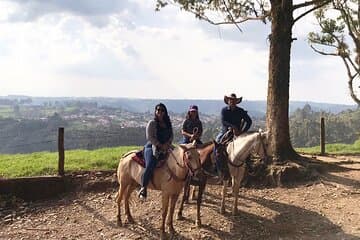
point(130, 189)
point(185, 196)
point(199, 200)
point(173, 199)
point(222, 206)
point(119, 197)
point(235, 187)
point(193, 193)
point(165, 206)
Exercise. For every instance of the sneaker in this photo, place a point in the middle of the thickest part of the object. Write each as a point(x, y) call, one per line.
point(142, 193)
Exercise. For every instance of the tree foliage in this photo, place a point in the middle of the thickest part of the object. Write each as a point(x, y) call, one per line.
point(281, 14)
point(339, 35)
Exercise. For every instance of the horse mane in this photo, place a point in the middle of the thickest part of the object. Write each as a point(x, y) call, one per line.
point(241, 143)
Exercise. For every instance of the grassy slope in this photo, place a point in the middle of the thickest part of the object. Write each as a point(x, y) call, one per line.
point(45, 163)
point(337, 148)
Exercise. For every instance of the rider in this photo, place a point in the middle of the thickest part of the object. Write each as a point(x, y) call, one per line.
point(159, 134)
point(192, 127)
point(233, 117)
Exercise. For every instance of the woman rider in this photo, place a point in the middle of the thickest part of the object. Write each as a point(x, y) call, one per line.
point(192, 127)
point(159, 135)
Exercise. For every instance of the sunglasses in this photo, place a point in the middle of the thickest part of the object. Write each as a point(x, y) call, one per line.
point(160, 110)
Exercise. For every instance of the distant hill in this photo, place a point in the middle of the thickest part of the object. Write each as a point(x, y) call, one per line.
point(210, 107)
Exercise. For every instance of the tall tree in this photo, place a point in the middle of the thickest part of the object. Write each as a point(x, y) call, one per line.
point(281, 14)
point(339, 30)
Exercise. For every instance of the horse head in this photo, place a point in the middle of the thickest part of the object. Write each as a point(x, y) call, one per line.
point(251, 142)
point(191, 158)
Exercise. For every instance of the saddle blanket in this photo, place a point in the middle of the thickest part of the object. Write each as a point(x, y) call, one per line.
point(139, 158)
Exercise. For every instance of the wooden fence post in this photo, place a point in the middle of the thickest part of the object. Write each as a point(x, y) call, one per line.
point(322, 136)
point(61, 151)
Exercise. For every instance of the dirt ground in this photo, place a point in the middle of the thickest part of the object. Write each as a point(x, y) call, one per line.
point(327, 208)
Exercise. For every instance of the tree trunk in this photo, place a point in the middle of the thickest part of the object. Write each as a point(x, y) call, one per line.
point(277, 115)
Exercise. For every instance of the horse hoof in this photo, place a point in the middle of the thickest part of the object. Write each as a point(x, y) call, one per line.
point(130, 220)
point(119, 223)
point(222, 210)
point(198, 223)
point(180, 217)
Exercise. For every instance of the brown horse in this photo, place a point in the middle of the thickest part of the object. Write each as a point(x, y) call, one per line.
point(209, 153)
point(238, 151)
point(169, 179)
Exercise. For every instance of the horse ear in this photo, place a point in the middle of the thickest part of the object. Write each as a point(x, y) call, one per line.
point(194, 143)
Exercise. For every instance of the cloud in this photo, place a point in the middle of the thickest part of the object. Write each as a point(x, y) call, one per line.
point(94, 11)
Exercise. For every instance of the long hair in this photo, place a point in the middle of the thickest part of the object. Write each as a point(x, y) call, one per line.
point(166, 117)
point(196, 118)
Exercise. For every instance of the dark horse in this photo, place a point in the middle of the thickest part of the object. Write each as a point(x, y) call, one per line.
point(210, 153)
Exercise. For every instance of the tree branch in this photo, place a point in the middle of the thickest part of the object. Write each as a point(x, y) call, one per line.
point(309, 11)
point(305, 4)
point(244, 19)
point(323, 53)
point(231, 16)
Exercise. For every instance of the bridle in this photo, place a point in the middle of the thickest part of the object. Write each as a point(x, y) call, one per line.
point(262, 145)
point(186, 165)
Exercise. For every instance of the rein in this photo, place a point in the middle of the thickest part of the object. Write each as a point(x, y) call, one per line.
point(186, 164)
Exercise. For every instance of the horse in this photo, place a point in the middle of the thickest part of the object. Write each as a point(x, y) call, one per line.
point(208, 152)
point(239, 149)
point(169, 179)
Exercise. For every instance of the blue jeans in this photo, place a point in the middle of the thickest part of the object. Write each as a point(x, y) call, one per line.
point(150, 165)
point(219, 136)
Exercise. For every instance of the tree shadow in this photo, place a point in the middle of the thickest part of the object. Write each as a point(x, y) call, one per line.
point(95, 213)
point(341, 180)
point(290, 222)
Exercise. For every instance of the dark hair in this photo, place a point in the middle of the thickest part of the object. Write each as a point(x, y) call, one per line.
point(197, 113)
point(166, 117)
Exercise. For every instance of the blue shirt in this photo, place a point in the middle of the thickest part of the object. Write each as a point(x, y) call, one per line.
point(235, 118)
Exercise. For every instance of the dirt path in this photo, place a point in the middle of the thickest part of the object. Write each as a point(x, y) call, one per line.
point(328, 208)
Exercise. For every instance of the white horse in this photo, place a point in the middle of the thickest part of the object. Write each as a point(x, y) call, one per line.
point(238, 151)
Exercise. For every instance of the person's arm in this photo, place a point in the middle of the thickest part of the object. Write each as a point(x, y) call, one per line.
point(183, 132)
point(200, 130)
point(151, 133)
point(247, 121)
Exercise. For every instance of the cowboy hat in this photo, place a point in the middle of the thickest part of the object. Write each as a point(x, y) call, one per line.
point(232, 96)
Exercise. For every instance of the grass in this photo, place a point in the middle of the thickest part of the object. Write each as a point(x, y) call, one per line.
point(46, 163)
point(336, 148)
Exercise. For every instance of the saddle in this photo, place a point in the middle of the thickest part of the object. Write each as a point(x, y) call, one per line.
point(139, 158)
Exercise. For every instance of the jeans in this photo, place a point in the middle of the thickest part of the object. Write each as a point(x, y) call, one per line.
point(150, 165)
point(219, 136)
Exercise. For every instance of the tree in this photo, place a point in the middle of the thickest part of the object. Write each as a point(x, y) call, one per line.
point(281, 15)
point(339, 28)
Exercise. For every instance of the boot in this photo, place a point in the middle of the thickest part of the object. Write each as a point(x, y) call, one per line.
point(142, 194)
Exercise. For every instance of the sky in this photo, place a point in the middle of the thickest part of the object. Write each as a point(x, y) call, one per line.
point(123, 48)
